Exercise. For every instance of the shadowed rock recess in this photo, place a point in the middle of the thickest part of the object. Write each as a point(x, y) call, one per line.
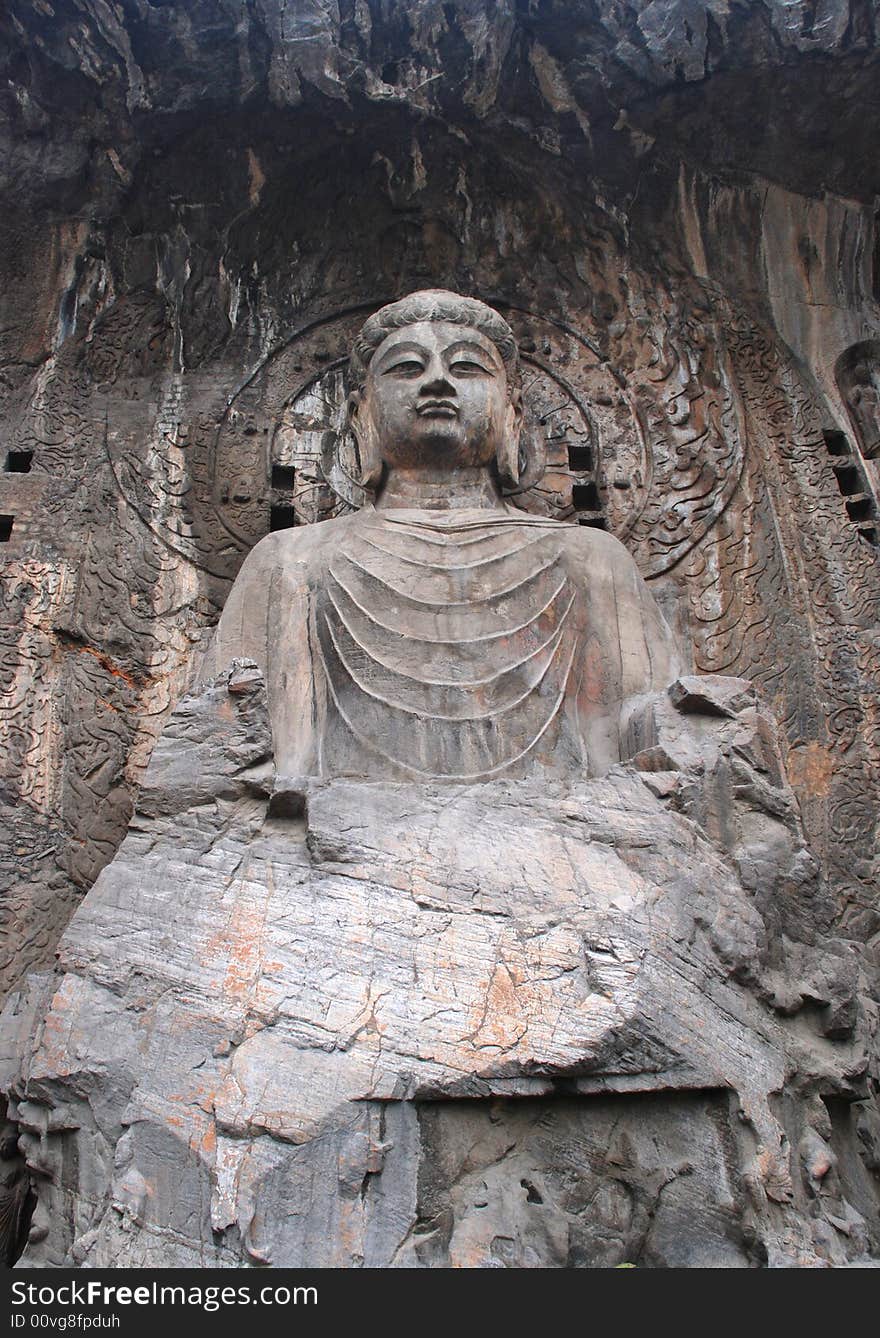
point(317, 948)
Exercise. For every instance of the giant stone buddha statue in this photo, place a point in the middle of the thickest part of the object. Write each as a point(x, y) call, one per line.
point(440, 632)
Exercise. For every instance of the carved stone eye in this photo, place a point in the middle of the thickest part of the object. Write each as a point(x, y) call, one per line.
point(468, 368)
point(408, 367)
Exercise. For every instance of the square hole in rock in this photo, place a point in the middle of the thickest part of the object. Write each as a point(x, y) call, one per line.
point(281, 517)
point(849, 479)
point(585, 497)
point(5, 528)
point(580, 459)
point(836, 443)
point(19, 462)
point(283, 476)
point(860, 508)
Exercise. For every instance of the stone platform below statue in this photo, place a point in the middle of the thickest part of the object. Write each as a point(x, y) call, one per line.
point(391, 1025)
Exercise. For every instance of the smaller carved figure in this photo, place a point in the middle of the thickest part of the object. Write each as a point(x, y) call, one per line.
point(16, 1199)
point(858, 375)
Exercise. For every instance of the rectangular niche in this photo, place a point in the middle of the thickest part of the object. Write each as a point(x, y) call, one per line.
point(281, 517)
point(581, 1182)
point(19, 462)
point(836, 443)
point(580, 459)
point(283, 477)
point(585, 497)
point(6, 523)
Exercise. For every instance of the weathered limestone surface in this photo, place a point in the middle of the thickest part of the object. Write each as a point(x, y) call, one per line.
point(674, 204)
point(388, 1031)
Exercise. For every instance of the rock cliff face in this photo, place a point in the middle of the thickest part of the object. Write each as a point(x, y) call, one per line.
point(673, 204)
point(494, 1025)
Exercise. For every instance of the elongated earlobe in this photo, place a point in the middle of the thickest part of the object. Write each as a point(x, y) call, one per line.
point(361, 426)
point(507, 456)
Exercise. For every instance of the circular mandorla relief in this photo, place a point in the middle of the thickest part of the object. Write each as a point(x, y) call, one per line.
point(652, 454)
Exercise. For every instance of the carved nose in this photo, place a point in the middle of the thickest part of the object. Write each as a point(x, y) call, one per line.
point(436, 382)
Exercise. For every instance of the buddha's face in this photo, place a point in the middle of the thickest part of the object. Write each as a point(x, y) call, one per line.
point(436, 395)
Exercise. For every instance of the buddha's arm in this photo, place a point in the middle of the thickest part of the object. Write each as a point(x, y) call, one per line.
point(649, 657)
point(269, 618)
point(712, 726)
point(629, 652)
point(243, 629)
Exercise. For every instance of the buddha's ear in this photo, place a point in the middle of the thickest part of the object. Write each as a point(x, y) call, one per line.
point(363, 429)
point(507, 456)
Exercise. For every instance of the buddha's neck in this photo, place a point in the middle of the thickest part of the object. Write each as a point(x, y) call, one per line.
point(440, 489)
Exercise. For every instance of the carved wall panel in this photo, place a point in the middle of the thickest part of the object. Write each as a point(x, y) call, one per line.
point(790, 598)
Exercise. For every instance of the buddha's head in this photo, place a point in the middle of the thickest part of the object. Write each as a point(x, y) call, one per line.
point(436, 384)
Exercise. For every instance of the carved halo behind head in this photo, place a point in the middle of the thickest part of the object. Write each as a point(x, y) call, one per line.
point(438, 304)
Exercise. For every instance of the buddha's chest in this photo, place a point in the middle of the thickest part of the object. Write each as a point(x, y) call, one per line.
point(449, 649)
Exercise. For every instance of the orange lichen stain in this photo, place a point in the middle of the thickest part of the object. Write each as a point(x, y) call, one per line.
point(178, 1112)
point(133, 680)
point(241, 941)
point(810, 769)
point(236, 946)
point(59, 1039)
point(206, 1100)
point(500, 1022)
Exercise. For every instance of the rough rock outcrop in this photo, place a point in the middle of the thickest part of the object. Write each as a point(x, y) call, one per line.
point(388, 1032)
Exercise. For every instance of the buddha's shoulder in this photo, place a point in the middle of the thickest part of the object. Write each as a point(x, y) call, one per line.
point(298, 546)
point(593, 549)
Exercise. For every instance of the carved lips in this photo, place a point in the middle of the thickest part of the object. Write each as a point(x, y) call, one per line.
point(437, 409)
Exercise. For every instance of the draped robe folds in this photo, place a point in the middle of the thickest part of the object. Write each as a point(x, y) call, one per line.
point(460, 645)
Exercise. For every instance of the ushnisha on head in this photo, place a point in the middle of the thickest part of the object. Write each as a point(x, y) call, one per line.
point(436, 387)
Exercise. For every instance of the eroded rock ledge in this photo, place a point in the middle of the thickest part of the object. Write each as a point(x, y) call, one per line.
point(388, 1031)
